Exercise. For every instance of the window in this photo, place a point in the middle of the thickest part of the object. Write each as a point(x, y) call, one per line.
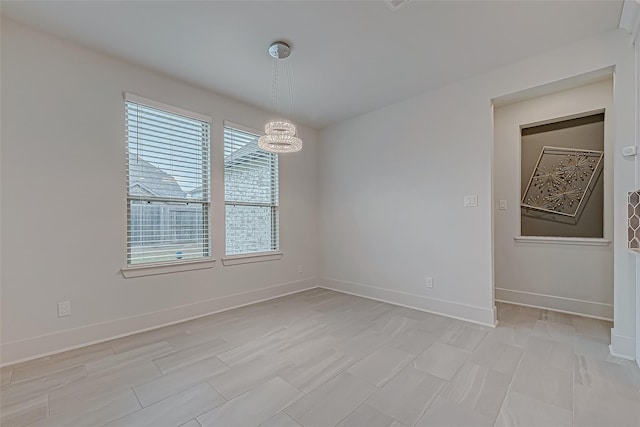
point(168, 183)
point(251, 194)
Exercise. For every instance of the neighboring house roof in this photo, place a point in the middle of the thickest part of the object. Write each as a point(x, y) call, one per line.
point(145, 179)
point(139, 190)
point(196, 193)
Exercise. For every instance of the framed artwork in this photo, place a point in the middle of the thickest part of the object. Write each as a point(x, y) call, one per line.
point(561, 183)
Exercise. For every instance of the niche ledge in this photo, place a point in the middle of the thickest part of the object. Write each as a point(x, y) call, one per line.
point(578, 241)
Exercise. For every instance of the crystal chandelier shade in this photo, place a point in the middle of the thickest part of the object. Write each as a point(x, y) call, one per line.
point(280, 135)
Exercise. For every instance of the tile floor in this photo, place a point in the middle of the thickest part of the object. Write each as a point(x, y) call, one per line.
point(322, 358)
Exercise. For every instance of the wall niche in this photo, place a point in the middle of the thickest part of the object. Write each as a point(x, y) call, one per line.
point(562, 189)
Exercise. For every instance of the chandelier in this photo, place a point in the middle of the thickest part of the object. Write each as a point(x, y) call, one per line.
point(280, 134)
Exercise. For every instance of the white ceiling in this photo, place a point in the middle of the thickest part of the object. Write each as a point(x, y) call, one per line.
point(349, 57)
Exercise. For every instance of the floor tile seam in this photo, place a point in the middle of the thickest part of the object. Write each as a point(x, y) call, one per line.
point(356, 359)
point(208, 381)
point(205, 380)
point(438, 395)
point(54, 371)
point(536, 399)
point(137, 398)
point(303, 395)
point(445, 384)
point(130, 413)
point(204, 411)
point(11, 371)
point(98, 390)
point(506, 394)
point(611, 383)
point(489, 369)
point(142, 407)
point(594, 338)
point(428, 347)
point(173, 371)
point(275, 374)
point(435, 397)
point(209, 340)
point(7, 384)
point(409, 361)
point(40, 378)
point(591, 332)
point(156, 365)
point(457, 370)
point(39, 394)
point(329, 379)
point(147, 380)
point(225, 363)
point(354, 410)
point(291, 416)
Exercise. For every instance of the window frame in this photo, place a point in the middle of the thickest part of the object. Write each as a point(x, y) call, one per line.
point(162, 267)
point(250, 257)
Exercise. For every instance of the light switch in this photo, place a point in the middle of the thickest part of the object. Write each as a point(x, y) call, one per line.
point(471, 201)
point(502, 205)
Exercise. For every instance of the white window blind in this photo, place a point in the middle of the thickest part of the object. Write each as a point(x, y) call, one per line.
point(168, 183)
point(251, 194)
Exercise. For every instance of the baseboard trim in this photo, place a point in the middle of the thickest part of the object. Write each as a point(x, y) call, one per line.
point(45, 345)
point(622, 346)
point(456, 310)
point(578, 307)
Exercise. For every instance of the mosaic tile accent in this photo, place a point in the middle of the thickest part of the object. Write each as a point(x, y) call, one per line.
point(634, 220)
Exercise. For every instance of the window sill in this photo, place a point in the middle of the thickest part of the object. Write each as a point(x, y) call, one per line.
point(635, 251)
point(153, 269)
point(249, 258)
point(579, 241)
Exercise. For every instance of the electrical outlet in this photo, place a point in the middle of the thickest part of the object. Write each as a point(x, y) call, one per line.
point(471, 201)
point(300, 269)
point(429, 282)
point(64, 308)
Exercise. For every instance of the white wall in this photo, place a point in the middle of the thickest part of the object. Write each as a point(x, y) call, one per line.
point(392, 184)
point(637, 143)
point(63, 201)
point(567, 277)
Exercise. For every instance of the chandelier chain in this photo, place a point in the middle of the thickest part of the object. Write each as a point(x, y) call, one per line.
point(274, 87)
point(293, 111)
